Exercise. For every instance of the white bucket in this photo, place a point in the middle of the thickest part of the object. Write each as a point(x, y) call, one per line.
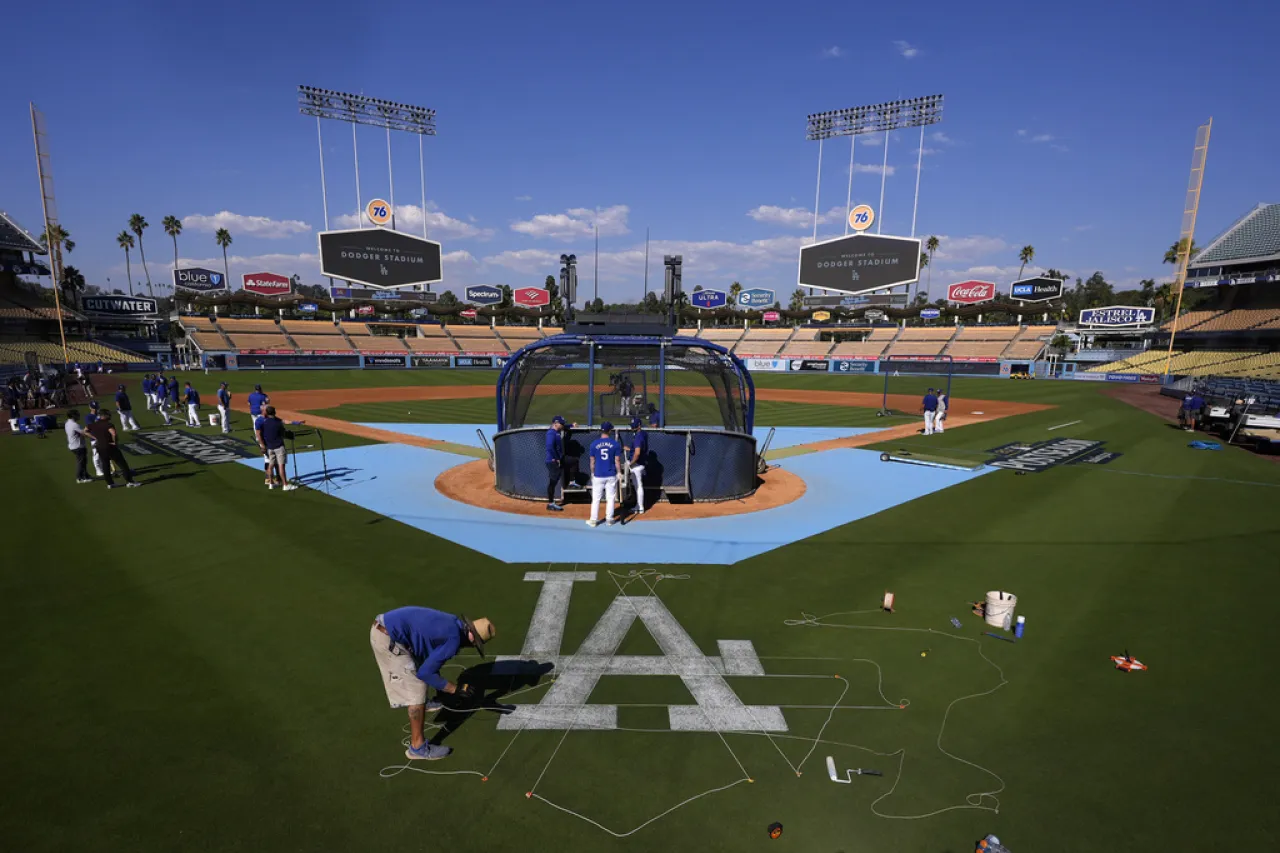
point(213, 420)
point(1000, 607)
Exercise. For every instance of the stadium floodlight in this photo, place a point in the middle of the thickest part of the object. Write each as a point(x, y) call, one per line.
point(375, 112)
point(873, 118)
point(359, 109)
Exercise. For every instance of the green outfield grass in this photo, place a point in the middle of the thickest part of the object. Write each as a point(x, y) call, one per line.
point(186, 665)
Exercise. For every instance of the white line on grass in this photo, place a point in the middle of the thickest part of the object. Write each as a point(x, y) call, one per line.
point(1060, 426)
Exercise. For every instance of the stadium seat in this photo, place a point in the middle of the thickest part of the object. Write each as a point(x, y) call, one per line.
point(310, 327)
point(859, 349)
point(334, 343)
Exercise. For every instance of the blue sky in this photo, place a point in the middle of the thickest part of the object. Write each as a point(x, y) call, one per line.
point(1067, 126)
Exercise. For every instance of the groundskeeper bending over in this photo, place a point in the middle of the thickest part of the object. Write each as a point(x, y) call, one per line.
point(410, 645)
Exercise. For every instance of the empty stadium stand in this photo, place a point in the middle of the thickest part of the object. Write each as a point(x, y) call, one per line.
point(859, 349)
point(1240, 320)
point(805, 344)
point(480, 339)
point(762, 342)
point(252, 341)
point(310, 327)
point(331, 343)
point(13, 351)
point(1189, 321)
point(377, 343)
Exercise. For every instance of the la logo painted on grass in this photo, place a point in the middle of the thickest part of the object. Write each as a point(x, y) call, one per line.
point(565, 706)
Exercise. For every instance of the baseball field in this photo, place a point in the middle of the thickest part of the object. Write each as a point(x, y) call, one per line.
point(186, 664)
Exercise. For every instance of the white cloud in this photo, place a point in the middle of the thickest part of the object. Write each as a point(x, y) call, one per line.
point(239, 224)
point(1022, 131)
point(907, 50)
point(1043, 137)
point(575, 222)
point(833, 52)
point(872, 139)
point(440, 226)
point(941, 138)
point(524, 198)
point(530, 261)
point(871, 169)
point(926, 151)
point(1084, 227)
point(967, 248)
point(793, 217)
point(1059, 147)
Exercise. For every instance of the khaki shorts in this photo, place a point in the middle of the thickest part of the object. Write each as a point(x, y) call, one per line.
point(399, 674)
point(276, 454)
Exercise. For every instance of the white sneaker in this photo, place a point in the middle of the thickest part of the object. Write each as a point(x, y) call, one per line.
point(591, 522)
point(271, 485)
point(290, 487)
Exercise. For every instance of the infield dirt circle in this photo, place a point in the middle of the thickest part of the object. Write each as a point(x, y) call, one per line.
point(472, 483)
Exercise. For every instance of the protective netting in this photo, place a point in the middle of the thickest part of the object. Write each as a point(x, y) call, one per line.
point(681, 384)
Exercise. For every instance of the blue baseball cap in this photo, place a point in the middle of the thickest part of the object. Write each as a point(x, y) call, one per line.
point(119, 387)
point(606, 427)
point(558, 420)
point(636, 423)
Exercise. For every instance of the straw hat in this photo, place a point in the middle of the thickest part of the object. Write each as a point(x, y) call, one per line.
point(482, 630)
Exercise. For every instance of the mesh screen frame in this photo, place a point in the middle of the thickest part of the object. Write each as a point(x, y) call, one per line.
point(696, 383)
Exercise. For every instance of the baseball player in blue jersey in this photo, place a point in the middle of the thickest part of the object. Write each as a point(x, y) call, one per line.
point(604, 454)
point(929, 405)
point(257, 400)
point(146, 391)
point(193, 406)
point(173, 391)
point(127, 423)
point(639, 453)
point(224, 407)
point(262, 445)
point(556, 470)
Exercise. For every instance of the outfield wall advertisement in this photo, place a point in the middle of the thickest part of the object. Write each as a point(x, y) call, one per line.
point(853, 366)
point(767, 365)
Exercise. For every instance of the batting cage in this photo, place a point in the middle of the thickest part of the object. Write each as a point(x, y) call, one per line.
point(695, 398)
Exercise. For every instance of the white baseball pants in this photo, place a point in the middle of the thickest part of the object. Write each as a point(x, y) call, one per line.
point(608, 486)
point(193, 416)
point(127, 421)
point(224, 415)
point(928, 423)
point(638, 472)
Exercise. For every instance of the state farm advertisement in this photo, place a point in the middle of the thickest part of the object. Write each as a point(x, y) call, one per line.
point(971, 292)
point(266, 283)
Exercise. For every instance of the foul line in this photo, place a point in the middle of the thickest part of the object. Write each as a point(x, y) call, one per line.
point(1060, 426)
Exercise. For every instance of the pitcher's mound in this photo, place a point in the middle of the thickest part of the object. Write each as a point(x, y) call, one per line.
point(472, 483)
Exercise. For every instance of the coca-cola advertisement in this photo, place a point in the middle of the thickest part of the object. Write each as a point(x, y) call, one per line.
point(971, 292)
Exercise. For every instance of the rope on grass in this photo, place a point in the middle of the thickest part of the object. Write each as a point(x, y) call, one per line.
point(986, 800)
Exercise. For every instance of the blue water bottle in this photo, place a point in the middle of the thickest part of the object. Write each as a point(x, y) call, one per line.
point(1019, 626)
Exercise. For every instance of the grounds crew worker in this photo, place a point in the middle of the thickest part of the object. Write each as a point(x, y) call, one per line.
point(410, 644)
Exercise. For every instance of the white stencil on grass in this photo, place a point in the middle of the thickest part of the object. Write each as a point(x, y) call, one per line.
point(718, 707)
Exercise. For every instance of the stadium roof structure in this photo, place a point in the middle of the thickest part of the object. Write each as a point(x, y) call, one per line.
point(1254, 238)
point(15, 238)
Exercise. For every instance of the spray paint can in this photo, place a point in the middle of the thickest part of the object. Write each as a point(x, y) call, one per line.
point(1019, 627)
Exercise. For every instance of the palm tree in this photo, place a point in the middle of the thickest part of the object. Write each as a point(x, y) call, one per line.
point(223, 238)
point(734, 290)
point(137, 224)
point(1171, 256)
point(932, 245)
point(61, 239)
point(125, 241)
point(1026, 255)
point(173, 227)
point(72, 283)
